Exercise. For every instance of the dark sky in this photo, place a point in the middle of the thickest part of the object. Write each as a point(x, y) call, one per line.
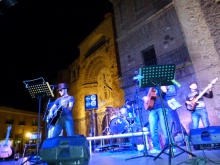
point(40, 37)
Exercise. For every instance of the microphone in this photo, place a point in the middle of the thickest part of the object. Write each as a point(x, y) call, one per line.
point(53, 86)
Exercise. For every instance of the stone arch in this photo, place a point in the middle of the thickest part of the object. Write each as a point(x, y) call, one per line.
point(93, 68)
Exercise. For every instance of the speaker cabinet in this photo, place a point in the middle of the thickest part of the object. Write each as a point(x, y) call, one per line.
point(65, 150)
point(205, 137)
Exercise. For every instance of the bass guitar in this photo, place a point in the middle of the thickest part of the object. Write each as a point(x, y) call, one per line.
point(190, 105)
point(149, 103)
point(5, 146)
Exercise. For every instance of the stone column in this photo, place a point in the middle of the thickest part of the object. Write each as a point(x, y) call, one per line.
point(200, 24)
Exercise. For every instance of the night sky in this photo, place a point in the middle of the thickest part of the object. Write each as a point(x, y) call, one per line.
point(40, 37)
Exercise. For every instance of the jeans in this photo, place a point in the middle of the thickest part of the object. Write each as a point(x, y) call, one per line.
point(200, 114)
point(64, 122)
point(155, 116)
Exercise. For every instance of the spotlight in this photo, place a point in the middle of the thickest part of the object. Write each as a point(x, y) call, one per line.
point(9, 3)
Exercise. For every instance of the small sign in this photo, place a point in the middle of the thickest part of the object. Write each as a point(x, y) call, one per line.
point(91, 102)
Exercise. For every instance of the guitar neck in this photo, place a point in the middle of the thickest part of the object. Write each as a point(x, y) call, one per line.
point(201, 94)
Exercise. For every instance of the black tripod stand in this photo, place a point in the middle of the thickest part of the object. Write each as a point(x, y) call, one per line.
point(162, 75)
point(145, 153)
point(38, 89)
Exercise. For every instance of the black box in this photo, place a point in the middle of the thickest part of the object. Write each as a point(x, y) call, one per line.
point(66, 150)
point(208, 135)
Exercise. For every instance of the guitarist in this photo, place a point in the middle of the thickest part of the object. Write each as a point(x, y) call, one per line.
point(152, 102)
point(199, 111)
point(63, 104)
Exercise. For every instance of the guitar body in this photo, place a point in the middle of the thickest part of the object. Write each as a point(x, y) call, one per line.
point(56, 116)
point(148, 105)
point(5, 150)
point(5, 146)
point(191, 106)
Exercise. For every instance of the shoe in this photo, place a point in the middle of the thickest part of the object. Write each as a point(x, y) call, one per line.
point(154, 151)
point(174, 150)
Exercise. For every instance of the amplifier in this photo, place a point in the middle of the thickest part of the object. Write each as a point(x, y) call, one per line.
point(66, 150)
point(205, 137)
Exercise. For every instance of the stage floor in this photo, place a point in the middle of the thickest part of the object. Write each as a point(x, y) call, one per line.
point(130, 156)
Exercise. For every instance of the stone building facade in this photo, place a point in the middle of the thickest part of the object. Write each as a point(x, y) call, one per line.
point(95, 71)
point(162, 32)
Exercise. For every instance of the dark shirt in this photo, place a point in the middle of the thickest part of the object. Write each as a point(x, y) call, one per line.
point(200, 102)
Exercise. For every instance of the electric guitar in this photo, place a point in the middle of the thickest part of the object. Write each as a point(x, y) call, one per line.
point(148, 104)
point(190, 106)
point(5, 146)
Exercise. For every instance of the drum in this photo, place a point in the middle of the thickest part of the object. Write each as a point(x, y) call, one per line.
point(118, 125)
point(115, 113)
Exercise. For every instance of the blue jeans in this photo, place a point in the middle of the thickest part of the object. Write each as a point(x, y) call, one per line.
point(200, 114)
point(155, 116)
point(64, 122)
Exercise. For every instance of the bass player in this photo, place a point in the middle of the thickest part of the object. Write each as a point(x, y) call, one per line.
point(61, 112)
point(155, 104)
point(198, 110)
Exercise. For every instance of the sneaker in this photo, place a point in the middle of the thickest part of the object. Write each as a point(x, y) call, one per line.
point(154, 151)
point(174, 150)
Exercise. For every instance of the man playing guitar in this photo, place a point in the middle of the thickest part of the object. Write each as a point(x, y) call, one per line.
point(154, 102)
point(195, 103)
point(62, 112)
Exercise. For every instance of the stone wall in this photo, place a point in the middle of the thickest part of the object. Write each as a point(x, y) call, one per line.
point(190, 25)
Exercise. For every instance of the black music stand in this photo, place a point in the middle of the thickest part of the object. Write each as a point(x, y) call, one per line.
point(38, 89)
point(161, 75)
point(145, 153)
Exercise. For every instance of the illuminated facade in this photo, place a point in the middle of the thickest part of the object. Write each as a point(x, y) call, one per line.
point(96, 71)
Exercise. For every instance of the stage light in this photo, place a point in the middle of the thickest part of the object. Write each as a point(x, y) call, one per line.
point(9, 3)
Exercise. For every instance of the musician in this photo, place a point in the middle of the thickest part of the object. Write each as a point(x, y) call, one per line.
point(131, 114)
point(66, 103)
point(199, 111)
point(156, 115)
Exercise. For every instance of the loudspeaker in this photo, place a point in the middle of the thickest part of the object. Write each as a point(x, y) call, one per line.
point(208, 135)
point(65, 150)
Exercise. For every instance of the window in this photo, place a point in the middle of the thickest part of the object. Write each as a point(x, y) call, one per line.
point(149, 56)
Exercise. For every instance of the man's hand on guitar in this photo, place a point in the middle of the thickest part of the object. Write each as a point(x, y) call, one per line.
point(50, 115)
point(145, 99)
point(210, 87)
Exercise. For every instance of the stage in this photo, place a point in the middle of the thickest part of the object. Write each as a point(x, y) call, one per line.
point(120, 156)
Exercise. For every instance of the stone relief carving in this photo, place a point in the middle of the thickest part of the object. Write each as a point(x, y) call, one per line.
point(144, 35)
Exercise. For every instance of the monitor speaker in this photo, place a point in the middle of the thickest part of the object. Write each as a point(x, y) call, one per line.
point(201, 137)
point(65, 150)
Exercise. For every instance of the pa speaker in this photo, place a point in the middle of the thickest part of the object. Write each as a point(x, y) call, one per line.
point(65, 150)
point(208, 135)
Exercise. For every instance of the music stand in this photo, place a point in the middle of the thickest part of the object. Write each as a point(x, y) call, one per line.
point(161, 75)
point(38, 89)
point(145, 153)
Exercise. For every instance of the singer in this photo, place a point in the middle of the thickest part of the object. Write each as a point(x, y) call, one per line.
point(62, 112)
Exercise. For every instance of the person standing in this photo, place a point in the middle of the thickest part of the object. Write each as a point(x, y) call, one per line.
point(64, 103)
point(198, 108)
point(156, 103)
